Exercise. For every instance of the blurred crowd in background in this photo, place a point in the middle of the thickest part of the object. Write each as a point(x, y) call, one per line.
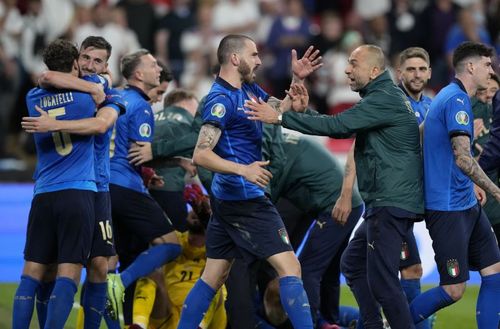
point(184, 34)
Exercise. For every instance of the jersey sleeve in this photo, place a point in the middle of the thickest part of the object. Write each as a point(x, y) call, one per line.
point(141, 123)
point(458, 116)
point(95, 78)
point(218, 111)
point(114, 100)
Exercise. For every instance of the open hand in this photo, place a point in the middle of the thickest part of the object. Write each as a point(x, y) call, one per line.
point(42, 124)
point(261, 111)
point(299, 97)
point(139, 153)
point(309, 63)
point(257, 174)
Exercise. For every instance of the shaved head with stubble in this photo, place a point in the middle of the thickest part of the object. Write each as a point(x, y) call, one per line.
point(365, 64)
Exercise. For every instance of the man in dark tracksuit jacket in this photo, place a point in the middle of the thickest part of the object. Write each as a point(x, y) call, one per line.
point(389, 171)
point(490, 157)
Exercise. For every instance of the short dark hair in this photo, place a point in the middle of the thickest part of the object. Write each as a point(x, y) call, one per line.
point(130, 62)
point(96, 42)
point(230, 44)
point(165, 74)
point(60, 55)
point(414, 52)
point(178, 95)
point(470, 49)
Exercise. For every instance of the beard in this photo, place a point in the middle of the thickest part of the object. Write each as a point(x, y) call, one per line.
point(413, 90)
point(245, 72)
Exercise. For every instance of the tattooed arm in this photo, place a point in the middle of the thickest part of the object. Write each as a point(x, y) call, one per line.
point(469, 166)
point(205, 156)
point(343, 206)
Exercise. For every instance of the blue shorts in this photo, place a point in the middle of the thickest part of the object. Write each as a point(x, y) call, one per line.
point(252, 229)
point(102, 241)
point(409, 251)
point(462, 241)
point(60, 227)
point(136, 217)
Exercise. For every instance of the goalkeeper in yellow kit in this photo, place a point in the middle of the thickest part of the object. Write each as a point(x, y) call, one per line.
point(178, 277)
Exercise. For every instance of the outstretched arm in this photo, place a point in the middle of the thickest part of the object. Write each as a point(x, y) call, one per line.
point(469, 166)
point(105, 119)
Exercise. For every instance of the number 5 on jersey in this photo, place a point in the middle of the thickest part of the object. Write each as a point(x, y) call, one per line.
point(62, 141)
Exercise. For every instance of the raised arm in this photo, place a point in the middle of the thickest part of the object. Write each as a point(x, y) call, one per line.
point(469, 166)
point(301, 69)
point(205, 156)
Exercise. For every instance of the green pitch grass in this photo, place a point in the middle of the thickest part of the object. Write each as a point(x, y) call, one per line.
point(461, 315)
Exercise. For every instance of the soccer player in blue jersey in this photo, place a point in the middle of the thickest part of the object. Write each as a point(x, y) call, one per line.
point(61, 218)
point(93, 59)
point(462, 236)
point(244, 222)
point(414, 72)
point(135, 213)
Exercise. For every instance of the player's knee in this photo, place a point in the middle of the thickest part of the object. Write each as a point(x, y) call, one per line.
point(98, 269)
point(287, 266)
point(455, 291)
point(346, 265)
point(412, 272)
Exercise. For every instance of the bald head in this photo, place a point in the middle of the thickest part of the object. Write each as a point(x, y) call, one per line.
point(373, 55)
point(365, 64)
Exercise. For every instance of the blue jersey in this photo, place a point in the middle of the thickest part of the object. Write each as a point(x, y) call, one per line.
point(136, 125)
point(102, 142)
point(420, 107)
point(65, 161)
point(241, 138)
point(446, 187)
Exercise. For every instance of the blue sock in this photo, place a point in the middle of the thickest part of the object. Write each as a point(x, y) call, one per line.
point(428, 303)
point(148, 261)
point(488, 307)
point(61, 303)
point(93, 304)
point(196, 304)
point(347, 314)
point(295, 303)
point(42, 301)
point(24, 302)
point(411, 289)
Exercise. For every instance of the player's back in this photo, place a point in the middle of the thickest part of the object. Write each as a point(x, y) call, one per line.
point(172, 123)
point(65, 161)
point(137, 124)
point(313, 177)
point(446, 186)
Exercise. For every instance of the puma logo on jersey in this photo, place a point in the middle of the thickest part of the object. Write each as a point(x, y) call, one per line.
point(371, 245)
point(321, 224)
point(461, 101)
